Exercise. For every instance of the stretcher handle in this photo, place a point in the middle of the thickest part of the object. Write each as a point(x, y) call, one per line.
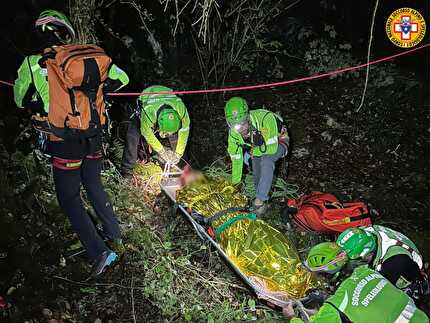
point(298, 305)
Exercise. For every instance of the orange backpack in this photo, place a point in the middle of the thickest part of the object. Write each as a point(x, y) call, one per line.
point(75, 76)
point(324, 213)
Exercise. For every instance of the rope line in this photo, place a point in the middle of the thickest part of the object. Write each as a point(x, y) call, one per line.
point(269, 85)
point(282, 83)
point(7, 83)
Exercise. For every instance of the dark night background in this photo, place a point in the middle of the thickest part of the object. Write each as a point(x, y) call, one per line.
point(379, 154)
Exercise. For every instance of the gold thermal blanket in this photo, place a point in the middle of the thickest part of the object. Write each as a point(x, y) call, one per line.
point(265, 255)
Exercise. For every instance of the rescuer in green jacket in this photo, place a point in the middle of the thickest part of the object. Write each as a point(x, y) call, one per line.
point(72, 164)
point(257, 135)
point(365, 296)
point(162, 114)
point(31, 87)
point(390, 253)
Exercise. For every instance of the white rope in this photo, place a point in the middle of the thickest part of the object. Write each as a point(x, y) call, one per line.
point(368, 57)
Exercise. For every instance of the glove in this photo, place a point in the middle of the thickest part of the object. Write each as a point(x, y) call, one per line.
point(164, 155)
point(169, 156)
point(176, 158)
point(246, 158)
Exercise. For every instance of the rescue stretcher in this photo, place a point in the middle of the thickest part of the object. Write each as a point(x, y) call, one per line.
point(170, 185)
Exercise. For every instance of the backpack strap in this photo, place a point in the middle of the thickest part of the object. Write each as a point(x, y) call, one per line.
point(89, 86)
point(47, 55)
point(347, 219)
point(32, 78)
point(343, 316)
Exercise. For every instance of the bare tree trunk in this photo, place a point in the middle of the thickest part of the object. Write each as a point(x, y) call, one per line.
point(82, 14)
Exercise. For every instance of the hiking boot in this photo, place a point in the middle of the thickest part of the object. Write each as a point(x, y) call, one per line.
point(104, 261)
point(117, 246)
point(259, 207)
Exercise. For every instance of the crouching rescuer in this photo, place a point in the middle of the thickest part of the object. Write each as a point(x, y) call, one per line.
point(71, 80)
point(364, 295)
point(157, 116)
point(259, 136)
point(390, 253)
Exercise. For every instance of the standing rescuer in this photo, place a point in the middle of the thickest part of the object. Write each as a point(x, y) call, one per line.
point(164, 115)
point(365, 296)
point(257, 135)
point(389, 252)
point(75, 149)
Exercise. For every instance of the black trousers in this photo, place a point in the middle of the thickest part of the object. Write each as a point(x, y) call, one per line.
point(131, 148)
point(68, 186)
point(130, 154)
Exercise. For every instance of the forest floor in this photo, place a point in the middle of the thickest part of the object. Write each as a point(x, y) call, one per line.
point(379, 155)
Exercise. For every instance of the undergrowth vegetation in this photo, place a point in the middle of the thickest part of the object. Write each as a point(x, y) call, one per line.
point(168, 272)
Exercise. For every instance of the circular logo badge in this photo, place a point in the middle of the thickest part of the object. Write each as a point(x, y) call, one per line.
point(405, 27)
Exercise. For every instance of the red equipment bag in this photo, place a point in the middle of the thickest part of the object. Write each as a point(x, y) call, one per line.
point(324, 213)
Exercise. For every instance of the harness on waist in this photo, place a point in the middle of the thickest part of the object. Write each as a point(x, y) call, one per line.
point(73, 164)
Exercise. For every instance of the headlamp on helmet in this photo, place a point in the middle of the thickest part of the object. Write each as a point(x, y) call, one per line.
point(56, 24)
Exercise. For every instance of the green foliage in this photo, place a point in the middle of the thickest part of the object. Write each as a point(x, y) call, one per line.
point(280, 188)
point(217, 171)
point(388, 76)
point(169, 269)
point(325, 53)
point(174, 276)
point(116, 152)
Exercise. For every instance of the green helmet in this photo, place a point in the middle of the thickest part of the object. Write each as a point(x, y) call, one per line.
point(168, 120)
point(236, 110)
point(55, 22)
point(357, 242)
point(326, 257)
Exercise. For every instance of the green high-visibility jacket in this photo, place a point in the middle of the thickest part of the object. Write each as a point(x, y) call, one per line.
point(391, 243)
point(365, 297)
point(263, 121)
point(151, 104)
point(30, 73)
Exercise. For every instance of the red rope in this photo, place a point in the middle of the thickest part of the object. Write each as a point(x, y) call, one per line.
point(275, 84)
point(282, 83)
point(7, 83)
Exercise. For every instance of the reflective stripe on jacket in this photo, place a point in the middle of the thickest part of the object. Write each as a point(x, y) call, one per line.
point(265, 122)
point(366, 296)
point(30, 73)
point(391, 243)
